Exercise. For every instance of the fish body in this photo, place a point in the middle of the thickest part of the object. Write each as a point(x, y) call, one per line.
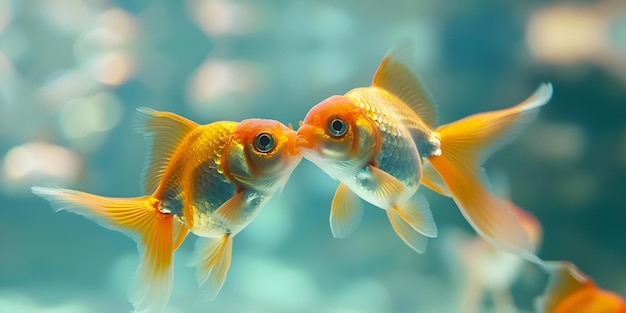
point(381, 142)
point(212, 165)
point(210, 180)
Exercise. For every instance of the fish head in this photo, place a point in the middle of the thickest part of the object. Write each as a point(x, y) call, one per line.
point(262, 154)
point(336, 133)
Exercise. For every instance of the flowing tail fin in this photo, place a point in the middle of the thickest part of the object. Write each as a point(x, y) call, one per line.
point(155, 234)
point(465, 144)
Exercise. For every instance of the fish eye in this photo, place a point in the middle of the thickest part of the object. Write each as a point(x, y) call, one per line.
point(337, 126)
point(264, 142)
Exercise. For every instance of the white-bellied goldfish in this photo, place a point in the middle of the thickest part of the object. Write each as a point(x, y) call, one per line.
point(381, 142)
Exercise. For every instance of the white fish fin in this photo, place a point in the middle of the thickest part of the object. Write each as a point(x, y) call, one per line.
point(394, 76)
point(164, 132)
point(140, 219)
point(410, 236)
point(346, 212)
point(416, 212)
point(212, 263)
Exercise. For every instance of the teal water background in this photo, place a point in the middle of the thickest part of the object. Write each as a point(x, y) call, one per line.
point(72, 73)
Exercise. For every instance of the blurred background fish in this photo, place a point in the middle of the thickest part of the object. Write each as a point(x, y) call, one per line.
point(571, 291)
point(487, 274)
point(72, 73)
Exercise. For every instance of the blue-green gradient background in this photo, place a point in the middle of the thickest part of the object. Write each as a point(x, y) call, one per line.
point(72, 73)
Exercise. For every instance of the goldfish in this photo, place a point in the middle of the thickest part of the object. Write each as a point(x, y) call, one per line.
point(211, 180)
point(381, 143)
point(490, 270)
point(571, 291)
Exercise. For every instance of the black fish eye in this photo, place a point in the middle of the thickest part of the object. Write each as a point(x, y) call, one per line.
point(264, 142)
point(337, 126)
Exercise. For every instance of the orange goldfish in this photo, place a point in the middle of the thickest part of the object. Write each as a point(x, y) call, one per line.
point(571, 291)
point(380, 142)
point(209, 179)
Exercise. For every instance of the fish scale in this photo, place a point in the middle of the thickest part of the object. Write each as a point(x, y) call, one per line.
point(198, 162)
point(211, 191)
point(397, 156)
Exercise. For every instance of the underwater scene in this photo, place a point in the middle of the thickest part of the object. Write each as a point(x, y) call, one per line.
point(312, 156)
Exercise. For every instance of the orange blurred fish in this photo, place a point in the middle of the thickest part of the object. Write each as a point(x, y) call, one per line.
point(491, 270)
point(380, 142)
point(209, 179)
point(571, 291)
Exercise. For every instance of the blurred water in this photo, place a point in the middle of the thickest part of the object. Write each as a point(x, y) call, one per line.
point(72, 73)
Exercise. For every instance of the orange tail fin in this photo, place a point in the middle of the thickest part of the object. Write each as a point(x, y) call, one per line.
point(464, 146)
point(155, 234)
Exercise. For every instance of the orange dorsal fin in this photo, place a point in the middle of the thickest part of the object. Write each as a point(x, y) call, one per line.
point(565, 280)
point(164, 132)
point(394, 76)
point(156, 235)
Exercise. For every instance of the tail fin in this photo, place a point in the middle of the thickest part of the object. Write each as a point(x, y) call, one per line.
point(212, 263)
point(465, 144)
point(140, 219)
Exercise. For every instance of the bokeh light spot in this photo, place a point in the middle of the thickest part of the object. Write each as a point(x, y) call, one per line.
point(219, 17)
point(83, 116)
point(41, 159)
point(114, 68)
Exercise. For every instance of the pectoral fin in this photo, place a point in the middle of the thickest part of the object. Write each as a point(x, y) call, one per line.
point(232, 209)
point(386, 186)
point(346, 212)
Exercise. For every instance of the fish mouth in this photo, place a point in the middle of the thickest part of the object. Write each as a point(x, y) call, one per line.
point(302, 142)
point(290, 140)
